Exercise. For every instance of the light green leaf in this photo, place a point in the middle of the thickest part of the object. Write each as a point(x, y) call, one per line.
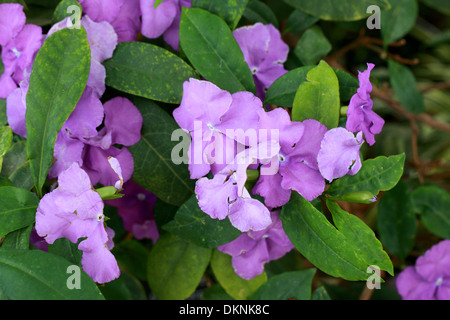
point(375, 175)
point(318, 97)
point(6, 136)
point(58, 79)
point(175, 267)
point(210, 46)
point(154, 168)
point(192, 224)
point(235, 286)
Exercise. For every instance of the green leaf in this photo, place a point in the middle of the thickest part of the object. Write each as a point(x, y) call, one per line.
point(320, 242)
point(19, 239)
point(132, 255)
point(375, 175)
point(17, 209)
point(398, 20)
point(192, 224)
point(441, 6)
point(154, 168)
point(404, 84)
point(58, 79)
point(16, 167)
point(6, 136)
point(148, 71)
point(3, 117)
point(318, 97)
point(312, 46)
point(39, 275)
point(229, 10)
point(344, 10)
point(361, 236)
point(210, 46)
point(396, 221)
point(258, 11)
point(320, 294)
point(64, 248)
point(282, 91)
point(298, 21)
point(288, 285)
point(61, 11)
point(433, 203)
point(237, 287)
point(175, 267)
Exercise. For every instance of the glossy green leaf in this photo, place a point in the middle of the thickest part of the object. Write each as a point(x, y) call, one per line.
point(154, 168)
point(39, 275)
point(6, 136)
point(398, 20)
point(18, 239)
point(312, 46)
point(404, 84)
point(433, 203)
point(295, 285)
point(282, 91)
point(235, 286)
point(320, 242)
point(258, 11)
point(58, 79)
point(396, 221)
point(192, 224)
point(175, 267)
point(148, 71)
point(210, 46)
point(17, 209)
point(343, 10)
point(318, 97)
point(229, 10)
point(361, 236)
point(16, 166)
point(375, 175)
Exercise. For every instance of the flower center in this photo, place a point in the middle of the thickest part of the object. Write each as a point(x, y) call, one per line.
point(254, 70)
point(141, 196)
point(16, 52)
point(438, 281)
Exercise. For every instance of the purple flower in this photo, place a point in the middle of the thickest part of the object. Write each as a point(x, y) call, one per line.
point(136, 210)
point(251, 250)
point(73, 211)
point(209, 113)
point(20, 43)
point(339, 153)
point(164, 20)
point(298, 169)
point(265, 52)
point(429, 279)
point(360, 116)
point(225, 195)
point(16, 107)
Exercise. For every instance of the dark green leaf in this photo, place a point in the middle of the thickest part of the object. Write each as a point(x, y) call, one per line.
point(404, 84)
point(398, 20)
point(210, 46)
point(192, 224)
point(298, 21)
point(148, 71)
point(229, 10)
point(441, 6)
point(154, 168)
point(17, 209)
point(318, 97)
point(433, 203)
point(58, 79)
point(67, 250)
point(38, 275)
point(258, 11)
point(320, 242)
point(312, 46)
point(6, 136)
point(62, 11)
point(396, 221)
point(344, 10)
point(175, 267)
point(288, 285)
point(3, 117)
point(237, 287)
point(19, 239)
point(375, 175)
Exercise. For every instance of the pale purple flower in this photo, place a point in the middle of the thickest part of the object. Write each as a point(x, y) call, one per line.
point(164, 20)
point(20, 43)
point(16, 107)
point(360, 116)
point(252, 250)
point(136, 210)
point(264, 51)
point(339, 153)
point(429, 278)
point(208, 113)
point(225, 195)
point(74, 210)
